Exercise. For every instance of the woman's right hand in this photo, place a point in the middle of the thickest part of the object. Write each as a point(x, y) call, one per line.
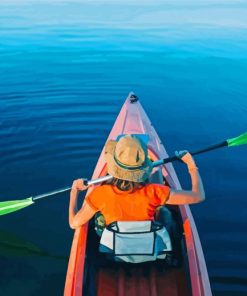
point(79, 185)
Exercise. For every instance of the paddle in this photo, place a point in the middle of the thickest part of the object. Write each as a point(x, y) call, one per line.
point(7, 207)
point(237, 141)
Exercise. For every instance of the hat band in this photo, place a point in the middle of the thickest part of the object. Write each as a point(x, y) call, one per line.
point(129, 168)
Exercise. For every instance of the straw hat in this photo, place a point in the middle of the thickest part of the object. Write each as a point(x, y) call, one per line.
point(127, 159)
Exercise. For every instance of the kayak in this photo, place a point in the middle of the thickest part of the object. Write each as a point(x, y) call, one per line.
point(89, 273)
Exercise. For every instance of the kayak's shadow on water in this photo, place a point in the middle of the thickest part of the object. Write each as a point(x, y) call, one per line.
point(13, 245)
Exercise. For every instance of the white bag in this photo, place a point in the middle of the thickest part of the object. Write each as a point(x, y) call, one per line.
point(135, 241)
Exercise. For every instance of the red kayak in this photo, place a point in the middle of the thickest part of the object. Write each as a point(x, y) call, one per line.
point(89, 273)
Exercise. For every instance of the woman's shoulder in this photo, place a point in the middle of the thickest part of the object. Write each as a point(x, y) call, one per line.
point(155, 185)
point(157, 193)
point(98, 191)
point(102, 188)
point(154, 188)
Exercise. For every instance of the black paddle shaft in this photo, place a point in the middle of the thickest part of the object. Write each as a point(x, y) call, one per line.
point(209, 148)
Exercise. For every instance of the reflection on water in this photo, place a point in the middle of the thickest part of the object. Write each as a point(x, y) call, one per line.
point(12, 245)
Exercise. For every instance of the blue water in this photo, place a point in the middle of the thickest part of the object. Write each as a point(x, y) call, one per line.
point(65, 70)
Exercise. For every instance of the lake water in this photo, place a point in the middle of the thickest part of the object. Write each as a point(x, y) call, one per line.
point(66, 68)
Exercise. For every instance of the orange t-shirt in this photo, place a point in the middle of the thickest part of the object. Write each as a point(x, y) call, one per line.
point(117, 205)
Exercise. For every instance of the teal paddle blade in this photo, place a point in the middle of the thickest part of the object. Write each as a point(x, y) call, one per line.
point(240, 140)
point(7, 207)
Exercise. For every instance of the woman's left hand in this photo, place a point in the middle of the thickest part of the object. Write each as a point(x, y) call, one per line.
point(79, 185)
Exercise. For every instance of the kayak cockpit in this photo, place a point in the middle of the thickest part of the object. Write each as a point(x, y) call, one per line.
point(161, 277)
point(169, 276)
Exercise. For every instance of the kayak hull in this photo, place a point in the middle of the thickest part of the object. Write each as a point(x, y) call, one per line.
point(190, 279)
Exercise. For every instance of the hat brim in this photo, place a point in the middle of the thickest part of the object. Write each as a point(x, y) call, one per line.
point(137, 175)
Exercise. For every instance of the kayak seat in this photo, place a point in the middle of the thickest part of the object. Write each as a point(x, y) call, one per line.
point(168, 218)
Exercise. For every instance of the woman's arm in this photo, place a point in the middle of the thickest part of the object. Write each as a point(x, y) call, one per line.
point(78, 218)
point(196, 194)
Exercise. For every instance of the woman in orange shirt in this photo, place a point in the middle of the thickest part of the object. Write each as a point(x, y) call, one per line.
point(129, 196)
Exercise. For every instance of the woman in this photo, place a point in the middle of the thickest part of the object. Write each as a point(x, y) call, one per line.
point(129, 196)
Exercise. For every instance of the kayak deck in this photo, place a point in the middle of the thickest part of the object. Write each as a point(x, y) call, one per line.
point(137, 281)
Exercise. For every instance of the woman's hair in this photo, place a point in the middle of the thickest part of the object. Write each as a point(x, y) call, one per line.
point(125, 185)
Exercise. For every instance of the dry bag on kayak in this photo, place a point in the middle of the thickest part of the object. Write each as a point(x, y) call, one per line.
point(135, 242)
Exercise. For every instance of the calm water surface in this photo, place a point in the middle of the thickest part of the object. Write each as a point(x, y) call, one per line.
point(65, 71)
